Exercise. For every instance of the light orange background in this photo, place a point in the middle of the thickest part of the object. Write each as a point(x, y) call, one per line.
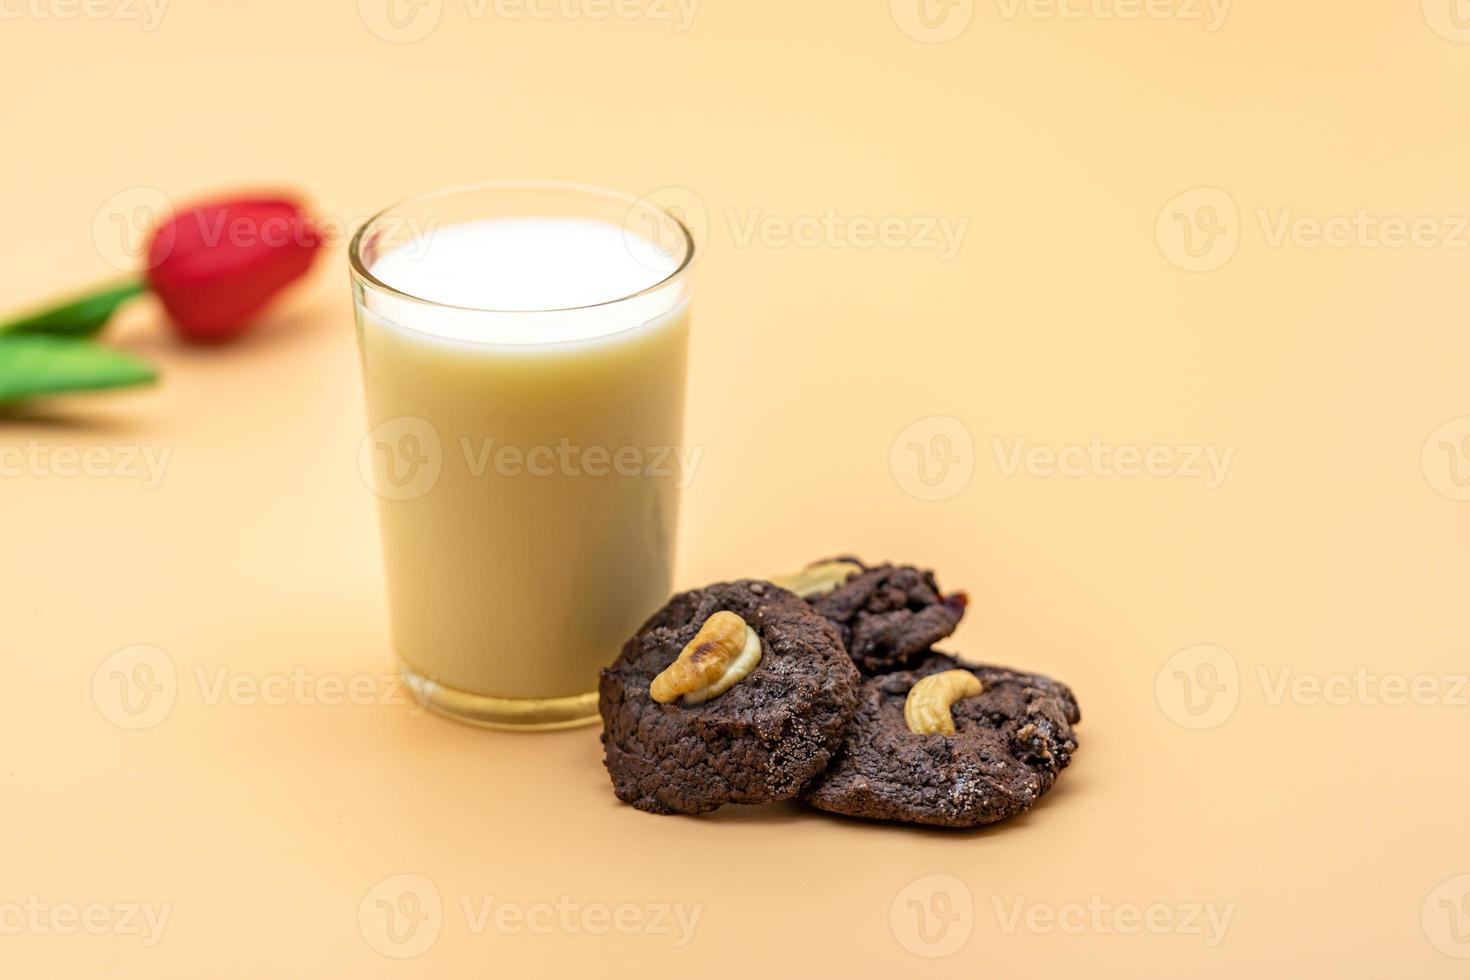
point(1333, 833)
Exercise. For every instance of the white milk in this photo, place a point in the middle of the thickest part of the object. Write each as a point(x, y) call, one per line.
point(546, 536)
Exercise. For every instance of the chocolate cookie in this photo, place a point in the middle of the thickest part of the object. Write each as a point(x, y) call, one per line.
point(890, 615)
point(1009, 743)
point(758, 741)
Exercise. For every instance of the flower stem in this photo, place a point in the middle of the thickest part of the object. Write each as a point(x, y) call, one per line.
point(81, 316)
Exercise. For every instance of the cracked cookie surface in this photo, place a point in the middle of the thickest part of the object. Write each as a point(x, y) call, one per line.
point(758, 742)
point(1010, 743)
point(889, 616)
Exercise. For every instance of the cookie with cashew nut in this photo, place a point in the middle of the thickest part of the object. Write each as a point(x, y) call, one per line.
point(735, 693)
point(950, 744)
point(889, 616)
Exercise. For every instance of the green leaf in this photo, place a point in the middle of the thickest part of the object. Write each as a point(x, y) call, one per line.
point(36, 364)
point(80, 317)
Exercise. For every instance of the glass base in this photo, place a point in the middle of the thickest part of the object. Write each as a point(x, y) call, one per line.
point(510, 714)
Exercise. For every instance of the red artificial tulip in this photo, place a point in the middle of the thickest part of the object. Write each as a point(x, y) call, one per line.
point(215, 266)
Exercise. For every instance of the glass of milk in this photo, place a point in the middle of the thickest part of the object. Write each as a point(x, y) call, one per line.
point(523, 349)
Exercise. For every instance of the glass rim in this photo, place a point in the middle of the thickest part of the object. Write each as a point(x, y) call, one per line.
point(364, 275)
